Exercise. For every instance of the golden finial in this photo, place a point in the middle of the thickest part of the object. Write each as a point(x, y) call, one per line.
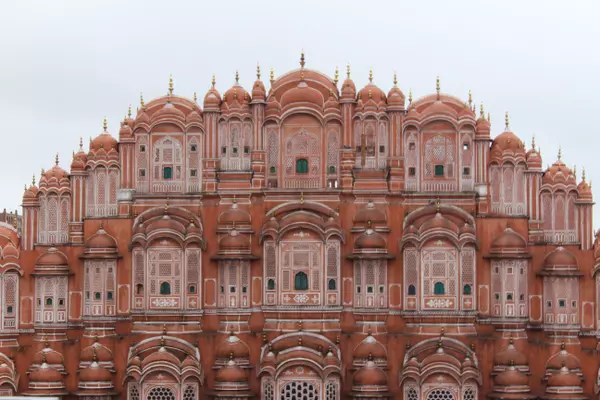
point(533, 142)
point(506, 121)
point(301, 197)
point(302, 59)
point(237, 77)
point(438, 207)
point(410, 96)
point(481, 111)
point(583, 174)
point(371, 75)
point(559, 152)
point(25, 186)
point(575, 170)
point(272, 76)
point(170, 85)
point(15, 220)
point(129, 111)
point(395, 80)
point(94, 356)
point(348, 70)
point(302, 76)
point(80, 143)
point(56, 159)
point(470, 98)
point(214, 81)
point(104, 124)
point(142, 100)
point(33, 180)
point(336, 76)
point(195, 97)
point(437, 86)
point(258, 71)
point(489, 118)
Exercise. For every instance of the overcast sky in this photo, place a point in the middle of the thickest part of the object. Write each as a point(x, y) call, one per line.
point(67, 64)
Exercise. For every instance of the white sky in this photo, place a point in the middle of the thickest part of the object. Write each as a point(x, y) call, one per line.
point(66, 64)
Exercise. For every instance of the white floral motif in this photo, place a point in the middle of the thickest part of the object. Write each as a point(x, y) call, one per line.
point(300, 298)
point(439, 303)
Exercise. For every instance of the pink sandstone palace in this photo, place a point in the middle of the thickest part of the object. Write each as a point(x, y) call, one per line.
point(311, 241)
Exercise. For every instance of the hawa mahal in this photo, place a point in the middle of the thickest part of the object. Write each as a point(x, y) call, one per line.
point(312, 241)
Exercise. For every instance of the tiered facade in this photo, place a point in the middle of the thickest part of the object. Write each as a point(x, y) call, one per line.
point(308, 242)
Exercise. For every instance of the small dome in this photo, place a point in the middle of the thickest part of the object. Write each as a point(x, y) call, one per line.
point(235, 215)
point(370, 240)
point(234, 241)
point(348, 89)
point(194, 116)
point(233, 345)
point(95, 373)
point(395, 96)
point(466, 229)
point(55, 173)
point(49, 356)
point(142, 117)
point(332, 105)
point(370, 375)
point(507, 141)
point(559, 173)
point(584, 189)
point(372, 93)
point(236, 97)
point(510, 355)
point(370, 213)
point(212, 100)
point(52, 257)
point(370, 347)
point(259, 93)
point(303, 93)
point(230, 373)
point(511, 377)
point(560, 259)
point(564, 378)
point(103, 141)
point(101, 240)
point(563, 359)
point(483, 124)
point(126, 127)
point(509, 241)
point(96, 351)
point(45, 373)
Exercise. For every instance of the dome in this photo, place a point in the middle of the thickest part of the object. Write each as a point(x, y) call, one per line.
point(161, 356)
point(212, 100)
point(95, 373)
point(55, 173)
point(466, 229)
point(48, 355)
point(97, 351)
point(233, 345)
point(101, 240)
point(370, 213)
point(31, 192)
point(332, 105)
point(559, 173)
point(511, 377)
point(302, 93)
point(236, 94)
point(370, 240)
point(564, 378)
point(169, 110)
point(509, 241)
point(370, 375)
point(230, 373)
point(563, 359)
point(234, 241)
point(584, 189)
point(510, 355)
point(482, 124)
point(259, 93)
point(348, 88)
point(142, 117)
point(370, 347)
point(45, 373)
point(559, 259)
point(103, 141)
point(371, 93)
point(439, 221)
point(395, 96)
point(194, 116)
point(235, 215)
point(507, 141)
point(52, 257)
point(126, 126)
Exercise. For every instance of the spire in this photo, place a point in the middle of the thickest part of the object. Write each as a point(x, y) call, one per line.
point(489, 118)
point(170, 85)
point(395, 80)
point(214, 81)
point(583, 174)
point(348, 70)
point(506, 121)
point(336, 76)
point(371, 75)
point(302, 59)
point(258, 71)
point(129, 111)
point(559, 153)
point(481, 111)
point(56, 160)
point(195, 97)
point(80, 143)
point(237, 77)
point(142, 100)
point(272, 76)
point(533, 142)
point(437, 87)
point(33, 180)
point(410, 96)
point(470, 99)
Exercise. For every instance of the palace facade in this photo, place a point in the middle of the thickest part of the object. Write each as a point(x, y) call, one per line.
point(313, 241)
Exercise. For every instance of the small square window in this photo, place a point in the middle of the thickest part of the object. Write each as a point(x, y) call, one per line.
point(97, 296)
point(522, 297)
point(110, 270)
point(142, 148)
point(439, 170)
point(167, 173)
point(39, 302)
point(272, 170)
point(497, 296)
point(246, 149)
point(109, 295)
point(465, 146)
point(193, 172)
point(380, 289)
point(509, 270)
point(331, 169)
point(466, 171)
point(192, 289)
point(224, 150)
point(9, 309)
point(509, 296)
point(574, 304)
point(61, 302)
point(358, 149)
point(369, 289)
point(382, 149)
point(193, 147)
point(412, 171)
point(411, 146)
point(222, 289)
point(235, 150)
point(244, 289)
point(142, 172)
point(549, 304)
point(562, 303)
point(232, 289)
point(358, 289)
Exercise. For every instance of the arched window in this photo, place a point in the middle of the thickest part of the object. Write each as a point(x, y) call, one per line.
point(165, 288)
point(167, 173)
point(412, 291)
point(49, 301)
point(161, 393)
point(331, 284)
point(271, 284)
point(467, 289)
point(139, 288)
point(301, 281)
point(302, 166)
point(439, 288)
